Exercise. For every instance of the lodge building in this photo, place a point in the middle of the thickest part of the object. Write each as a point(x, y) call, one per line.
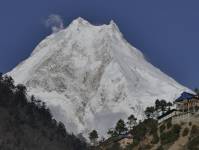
point(187, 102)
point(185, 105)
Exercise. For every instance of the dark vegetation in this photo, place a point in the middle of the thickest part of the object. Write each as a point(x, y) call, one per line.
point(115, 146)
point(93, 136)
point(147, 127)
point(28, 124)
point(162, 128)
point(168, 123)
point(185, 131)
point(193, 143)
point(170, 136)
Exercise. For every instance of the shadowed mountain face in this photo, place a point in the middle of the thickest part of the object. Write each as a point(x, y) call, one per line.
point(90, 76)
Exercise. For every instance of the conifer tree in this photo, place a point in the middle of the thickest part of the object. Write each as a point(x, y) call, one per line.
point(149, 112)
point(132, 121)
point(93, 136)
point(112, 133)
point(121, 127)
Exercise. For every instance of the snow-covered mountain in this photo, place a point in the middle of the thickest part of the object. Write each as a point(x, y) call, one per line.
point(90, 76)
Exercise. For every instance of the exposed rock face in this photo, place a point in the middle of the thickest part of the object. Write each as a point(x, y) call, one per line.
point(90, 76)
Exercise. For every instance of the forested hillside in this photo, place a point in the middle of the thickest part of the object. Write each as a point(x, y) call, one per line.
point(28, 124)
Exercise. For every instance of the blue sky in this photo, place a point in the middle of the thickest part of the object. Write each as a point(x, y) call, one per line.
point(167, 32)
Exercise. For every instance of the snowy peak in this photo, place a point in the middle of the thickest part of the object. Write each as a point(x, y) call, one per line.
point(80, 22)
point(114, 26)
point(90, 77)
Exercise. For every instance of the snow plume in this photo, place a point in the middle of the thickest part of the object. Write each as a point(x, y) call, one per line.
point(55, 22)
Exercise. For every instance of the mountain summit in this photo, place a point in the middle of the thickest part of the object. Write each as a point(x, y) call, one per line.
point(90, 76)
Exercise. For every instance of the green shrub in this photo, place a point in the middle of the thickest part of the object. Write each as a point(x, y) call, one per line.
point(176, 128)
point(185, 132)
point(160, 148)
point(155, 138)
point(193, 144)
point(169, 124)
point(135, 142)
point(147, 126)
point(115, 146)
point(171, 136)
point(129, 146)
point(162, 128)
point(194, 131)
point(145, 147)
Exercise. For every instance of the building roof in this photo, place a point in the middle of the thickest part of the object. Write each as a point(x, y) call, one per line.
point(118, 138)
point(167, 113)
point(185, 96)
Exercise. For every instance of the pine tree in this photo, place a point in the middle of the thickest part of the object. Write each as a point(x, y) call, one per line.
point(132, 121)
point(93, 136)
point(149, 112)
point(112, 133)
point(121, 127)
point(163, 105)
point(157, 104)
point(169, 104)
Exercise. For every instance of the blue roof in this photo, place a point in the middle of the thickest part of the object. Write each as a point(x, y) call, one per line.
point(185, 96)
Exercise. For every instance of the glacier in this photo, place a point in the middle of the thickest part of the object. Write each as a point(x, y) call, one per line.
point(90, 76)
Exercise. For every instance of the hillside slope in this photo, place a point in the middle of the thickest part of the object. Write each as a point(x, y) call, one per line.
point(169, 135)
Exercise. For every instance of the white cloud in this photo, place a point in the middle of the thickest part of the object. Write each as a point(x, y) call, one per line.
point(55, 22)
